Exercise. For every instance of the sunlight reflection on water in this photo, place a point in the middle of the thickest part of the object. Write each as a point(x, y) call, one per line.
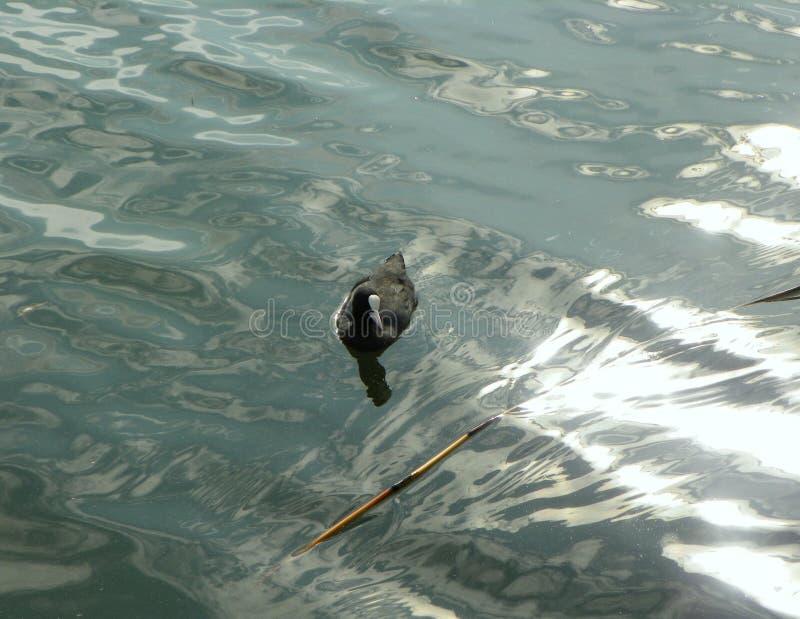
point(622, 174)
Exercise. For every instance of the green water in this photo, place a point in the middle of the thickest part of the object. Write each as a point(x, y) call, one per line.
point(584, 193)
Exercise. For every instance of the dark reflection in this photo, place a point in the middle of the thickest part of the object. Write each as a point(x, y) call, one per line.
point(30, 165)
point(246, 83)
point(67, 561)
point(167, 285)
point(218, 75)
point(373, 375)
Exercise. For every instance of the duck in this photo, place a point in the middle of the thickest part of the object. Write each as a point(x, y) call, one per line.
point(378, 308)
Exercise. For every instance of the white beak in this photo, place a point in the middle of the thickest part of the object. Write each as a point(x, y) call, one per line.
point(375, 306)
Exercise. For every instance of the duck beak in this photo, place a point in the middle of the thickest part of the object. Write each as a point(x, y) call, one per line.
point(374, 312)
point(376, 318)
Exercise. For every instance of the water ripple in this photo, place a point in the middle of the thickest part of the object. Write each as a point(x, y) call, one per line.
point(167, 170)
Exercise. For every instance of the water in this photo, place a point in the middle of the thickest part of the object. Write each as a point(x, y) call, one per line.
point(584, 193)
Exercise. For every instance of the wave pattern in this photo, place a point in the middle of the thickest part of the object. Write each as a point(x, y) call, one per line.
point(168, 169)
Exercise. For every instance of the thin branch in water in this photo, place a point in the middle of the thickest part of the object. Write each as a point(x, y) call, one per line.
point(407, 480)
point(786, 295)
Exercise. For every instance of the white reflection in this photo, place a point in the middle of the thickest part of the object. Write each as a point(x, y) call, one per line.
point(765, 23)
point(699, 170)
point(723, 217)
point(491, 388)
point(716, 50)
point(737, 514)
point(637, 5)
point(31, 67)
point(648, 490)
point(247, 119)
point(766, 576)
point(629, 376)
point(246, 139)
point(78, 225)
point(771, 148)
point(37, 35)
point(25, 576)
point(168, 4)
point(114, 84)
point(655, 390)
point(242, 44)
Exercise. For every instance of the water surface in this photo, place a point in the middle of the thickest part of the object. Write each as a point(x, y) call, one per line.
point(585, 193)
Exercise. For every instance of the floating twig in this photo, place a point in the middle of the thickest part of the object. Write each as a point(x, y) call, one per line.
point(408, 479)
point(786, 295)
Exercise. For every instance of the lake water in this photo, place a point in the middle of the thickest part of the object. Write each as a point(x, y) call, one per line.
point(585, 193)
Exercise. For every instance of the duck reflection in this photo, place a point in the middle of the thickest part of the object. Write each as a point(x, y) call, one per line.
point(373, 375)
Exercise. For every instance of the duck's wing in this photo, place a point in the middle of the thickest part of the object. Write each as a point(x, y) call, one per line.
point(406, 299)
point(342, 315)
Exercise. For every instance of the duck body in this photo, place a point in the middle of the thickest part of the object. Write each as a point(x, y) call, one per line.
point(378, 308)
